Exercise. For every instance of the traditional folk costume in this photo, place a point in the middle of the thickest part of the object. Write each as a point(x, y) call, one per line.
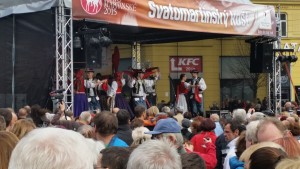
point(196, 95)
point(80, 99)
point(90, 89)
point(182, 91)
point(115, 92)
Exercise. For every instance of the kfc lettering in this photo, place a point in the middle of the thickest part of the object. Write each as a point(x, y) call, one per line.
point(185, 64)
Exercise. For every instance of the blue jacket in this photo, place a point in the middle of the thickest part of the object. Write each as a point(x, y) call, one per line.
point(235, 163)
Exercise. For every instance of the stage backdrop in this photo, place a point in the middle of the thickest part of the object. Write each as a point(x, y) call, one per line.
point(31, 63)
point(220, 17)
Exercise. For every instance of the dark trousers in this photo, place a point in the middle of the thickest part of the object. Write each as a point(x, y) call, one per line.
point(195, 107)
point(151, 98)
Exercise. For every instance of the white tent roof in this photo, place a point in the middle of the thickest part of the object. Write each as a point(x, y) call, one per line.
point(8, 7)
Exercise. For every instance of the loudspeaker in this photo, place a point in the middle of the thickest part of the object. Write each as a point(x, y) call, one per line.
point(93, 51)
point(261, 57)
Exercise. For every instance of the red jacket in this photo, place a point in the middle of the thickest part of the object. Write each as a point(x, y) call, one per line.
point(209, 156)
point(198, 141)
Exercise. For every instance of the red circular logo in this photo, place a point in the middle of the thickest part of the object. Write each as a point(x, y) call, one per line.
point(91, 6)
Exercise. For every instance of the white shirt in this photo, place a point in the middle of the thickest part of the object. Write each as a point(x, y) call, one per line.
point(141, 92)
point(90, 84)
point(201, 85)
point(231, 152)
point(112, 90)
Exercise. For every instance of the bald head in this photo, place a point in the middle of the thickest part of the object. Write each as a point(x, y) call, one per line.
point(22, 113)
point(270, 124)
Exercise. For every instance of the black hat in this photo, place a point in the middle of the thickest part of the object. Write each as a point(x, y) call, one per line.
point(140, 70)
point(194, 71)
point(89, 70)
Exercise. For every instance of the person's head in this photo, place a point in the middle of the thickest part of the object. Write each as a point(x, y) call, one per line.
point(85, 117)
point(13, 120)
point(182, 77)
point(192, 161)
point(187, 115)
point(115, 110)
point(22, 127)
point(22, 113)
point(194, 73)
point(215, 117)
point(258, 158)
point(168, 129)
point(2, 123)
point(106, 124)
point(251, 130)
point(115, 157)
point(87, 131)
point(8, 141)
point(152, 111)
point(139, 136)
point(245, 157)
point(155, 154)
point(166, 109)
point(51, 148)
point(179, 109)
point(295, 129)
point(123, 117)
point(207, 125)
point(288, 163)
point(7, 116)
point(195, 126)
point(239, 115)
point(257, 116)
point(290, 145)
point(140, 111)
point(186, 123)
point(28, 109)
point(136, 123)
point(90, 73)
point(270, 124)
point(231, 130)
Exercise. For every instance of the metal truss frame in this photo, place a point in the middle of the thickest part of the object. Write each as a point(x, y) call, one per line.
point(64, 53)
point(274, 81)
point(136, 55)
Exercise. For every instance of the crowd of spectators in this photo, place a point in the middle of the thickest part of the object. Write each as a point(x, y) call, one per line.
point(156, 138)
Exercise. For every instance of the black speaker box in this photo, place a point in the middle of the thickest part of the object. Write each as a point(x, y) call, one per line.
point(261, 57)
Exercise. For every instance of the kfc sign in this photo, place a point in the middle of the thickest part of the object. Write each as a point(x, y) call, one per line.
point(185, 64)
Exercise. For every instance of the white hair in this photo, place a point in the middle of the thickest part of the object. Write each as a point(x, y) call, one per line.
point(139, 136)
point(177, 136)
point(155, 154)
point(54, 148)
point(215, 117)
point(257, 116)
point(239, 115)
point(86, 116)
point(251, 130)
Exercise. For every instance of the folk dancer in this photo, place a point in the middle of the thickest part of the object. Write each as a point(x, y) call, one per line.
point(102, 91)
point(182, 91)
point(150, 85)
point(115, 95)
point(90, 86)
point(80, 99)
point(197, 87)
point(137, 84)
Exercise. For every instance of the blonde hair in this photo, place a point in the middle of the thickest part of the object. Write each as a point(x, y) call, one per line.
point(248, 152)
point(289, 163)
point(22, 127)
point(152, 111)
point(8, 141)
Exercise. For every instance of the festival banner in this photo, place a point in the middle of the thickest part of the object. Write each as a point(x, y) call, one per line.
point(211, 16)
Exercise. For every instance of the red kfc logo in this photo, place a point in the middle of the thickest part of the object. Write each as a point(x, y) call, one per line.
point(91, 7)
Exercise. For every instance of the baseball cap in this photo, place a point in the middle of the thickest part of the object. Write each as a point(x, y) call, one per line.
point(168, 125)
